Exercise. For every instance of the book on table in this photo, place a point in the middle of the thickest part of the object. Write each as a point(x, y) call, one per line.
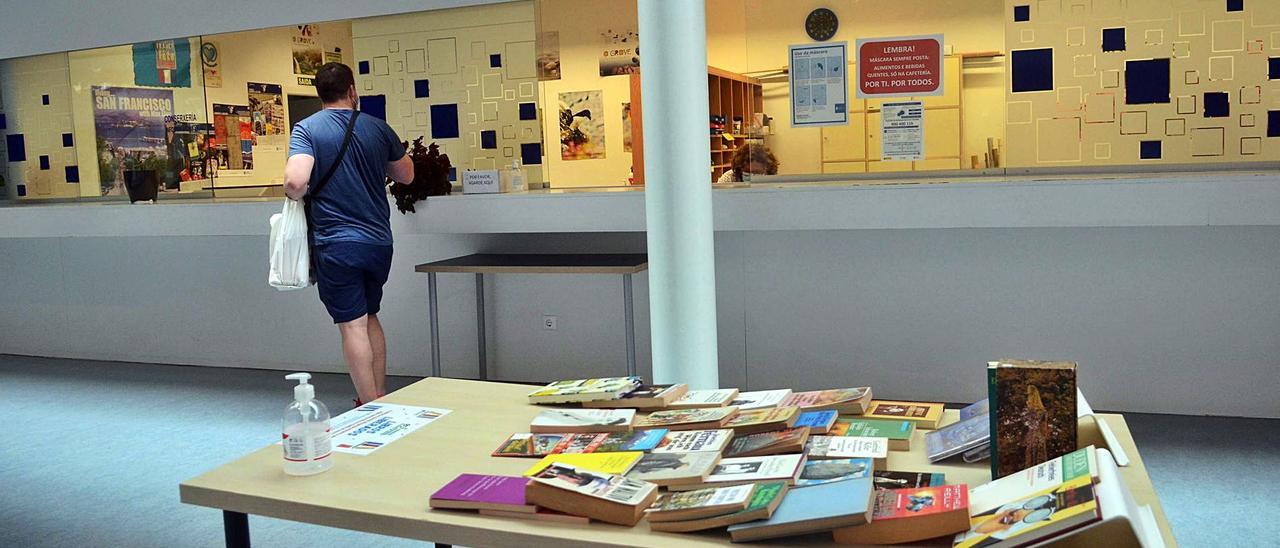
point(666, 469)
point(818, 472)
point(694, 399)
point(760, 399)
point(813, 510)
point(846, 447)
point(763, 420)
point(896, 479)
point(483, 492)
point(581, 390)
point(560, 421)
point(527, 444)
point(819, 422)
point(957, 438)
point(926, 415)
point(980, 407)
point(648, 396)
point(693, 441)
point(605, 463)
point(898, 432)
point(1032, 413)
point(1035, 504)
point(843, 400)
point(742, 470)
point(602, 497)
point(911, 515)
point(765, 498)
point(700, 503)
point(791, 440)
point(688, 419)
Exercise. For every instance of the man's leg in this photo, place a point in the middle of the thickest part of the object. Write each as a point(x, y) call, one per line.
point(378, 342)
point(358, 352)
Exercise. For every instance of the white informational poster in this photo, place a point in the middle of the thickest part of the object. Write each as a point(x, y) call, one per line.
point(819, 84)
point(902, 131)
point(371, 426)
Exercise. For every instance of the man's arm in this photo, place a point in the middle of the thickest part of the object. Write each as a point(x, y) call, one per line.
point(401, 171)
point(297, 175)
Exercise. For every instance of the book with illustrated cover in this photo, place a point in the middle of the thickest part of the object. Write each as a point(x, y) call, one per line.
point(954, 439)
point(540, 445)
point(1025, 483)
point(702, 503)
point(765, 499)
point(843, 400)
point(818, 472)
point(846, 447)
point(769, 443)
point(603, 497)
point(912, 515)
point(693, 441)
point(974, 409)
point(694, 399)
point(528, 444)
point(560, 421)
point(891, 479)
point(742, 470)
point(926, 415)
point(605, 463)
point(813, 510)
point(688, 419)
point(648, 396)
point(1035, 518)
point(1033, 413)
point(674, 468)
point(580, 390)
point(897, 432)
point(763, 420)
point(482, 492)
point(818, 422)
point(760, 399)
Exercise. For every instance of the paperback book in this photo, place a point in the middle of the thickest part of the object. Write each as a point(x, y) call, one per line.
point(898, 432)
point(818, 422)
point(779, 442)
point(925, 415)
point(955, 439)
point(765, 499)
point(674, 468)
point(540, 445)
point(818, 472)
point(1034, 518)
point(743, 470)
point(705, 398)
point(688, 419)
point(843, 400)
point(763, 420)
point(605, 463)
point(812, 510)
point(693, 441)
point(702, 503)
point(974, 409)
point(557, 421)
point(912, 515)
point(846, 447)
point(581, 390)
point(482, 492)
point(604, 497)
point(760, 399)
point(1033, 413)
point(649, 396)
point(891, 479)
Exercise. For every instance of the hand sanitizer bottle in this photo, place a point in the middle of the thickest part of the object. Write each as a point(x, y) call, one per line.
point(517, 183)
point(306, 431)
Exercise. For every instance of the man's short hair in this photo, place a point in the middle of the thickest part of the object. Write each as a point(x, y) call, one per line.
point(332, 82)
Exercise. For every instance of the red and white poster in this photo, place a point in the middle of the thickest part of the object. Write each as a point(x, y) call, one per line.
point(909, 66)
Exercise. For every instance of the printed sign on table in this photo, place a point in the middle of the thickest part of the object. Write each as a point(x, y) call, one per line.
point(371, 426)
point(819, 84)
point(900, 67)
point(902, 131)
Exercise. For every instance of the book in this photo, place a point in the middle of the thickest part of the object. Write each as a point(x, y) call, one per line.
point(1033, 413)
point(843, 400)
point(674, 468)
point(957, 438)
point(813, 510)
point(573, 391)
point(897, 432)
point(818, 422)
point(769, 443)
point(705, 398)
point(763, 420)
point(693, 441)
point(891, 479)
point(605, 463)
point(765, 499)
point(974, 409)
point(560, 421)
point(911, 515)
point(818, 472)
point(526, 444)
point(977, 454)
point(648, 396)
point(925, 415)
point(1034, 505)
point(742, 470)
point(482, 492)
point(688, 419)
point(603, 497)
point(542, 514)
point(702, 503)
point(760, 399)
point(847, 447)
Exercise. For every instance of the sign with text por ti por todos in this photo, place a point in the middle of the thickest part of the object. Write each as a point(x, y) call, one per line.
point(909, 66)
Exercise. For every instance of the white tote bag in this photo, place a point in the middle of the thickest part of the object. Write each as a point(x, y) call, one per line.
point(289, 249)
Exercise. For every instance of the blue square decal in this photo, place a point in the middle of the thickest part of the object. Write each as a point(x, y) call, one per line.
point(1273, 73)
point(1146, 82)
point(839, 108)
point(488, 139)
point(1021, 14)
point(1150, 150)
point(67, 140)
point(22, 190)
point(1235, 5)
point(73, 174)
point(44, 162)
point(1217, 104)
point(374, 105)
point(17, 147)
point(364, 67)
point(1032, 70)
point(495, 60)
point(1113, 39)
point(1273, 123)
point(444, 121)
point(3, 123)
point(528, 111)
point(453, 174)
point(421, 88)
point(44, 99)
point(531, 154)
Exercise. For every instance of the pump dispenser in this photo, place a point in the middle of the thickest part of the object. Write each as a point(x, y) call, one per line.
point(306, 430)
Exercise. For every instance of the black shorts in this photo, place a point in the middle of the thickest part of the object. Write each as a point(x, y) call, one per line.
point(350, 276)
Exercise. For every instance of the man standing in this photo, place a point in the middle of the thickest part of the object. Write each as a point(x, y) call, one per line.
point(350, 218)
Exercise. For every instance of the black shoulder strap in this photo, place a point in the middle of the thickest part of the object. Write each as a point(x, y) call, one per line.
point(342, 153)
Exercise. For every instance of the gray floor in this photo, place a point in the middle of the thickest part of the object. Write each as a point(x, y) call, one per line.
point(94, 453)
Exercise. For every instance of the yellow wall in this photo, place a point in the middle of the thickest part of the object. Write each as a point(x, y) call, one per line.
point(23, 82)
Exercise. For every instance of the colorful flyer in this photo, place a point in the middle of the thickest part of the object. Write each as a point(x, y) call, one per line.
point(819, 84)
point(371, 426)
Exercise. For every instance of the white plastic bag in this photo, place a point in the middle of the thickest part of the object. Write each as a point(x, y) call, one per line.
point(290, 254)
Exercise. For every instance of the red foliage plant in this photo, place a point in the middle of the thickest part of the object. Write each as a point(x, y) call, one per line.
point(430, 176)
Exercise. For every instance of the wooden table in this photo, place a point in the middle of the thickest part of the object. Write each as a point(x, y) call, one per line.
point(496, 263)
point(386, 492)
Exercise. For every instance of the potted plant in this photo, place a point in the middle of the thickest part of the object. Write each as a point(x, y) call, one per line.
point(142, 175)
point(430, 176)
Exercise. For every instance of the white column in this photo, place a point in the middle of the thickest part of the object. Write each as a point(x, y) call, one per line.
point(677, 160)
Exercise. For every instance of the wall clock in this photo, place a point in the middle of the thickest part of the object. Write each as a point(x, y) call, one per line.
point(821, 24)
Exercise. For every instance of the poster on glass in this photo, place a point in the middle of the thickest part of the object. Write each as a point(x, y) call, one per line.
point(581, 125)
point(130, 128)
point(819, 84)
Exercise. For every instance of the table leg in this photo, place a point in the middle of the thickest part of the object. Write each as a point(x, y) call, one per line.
point(434, 313)
point(631, 325)
point(235, 527)
point(484, 366)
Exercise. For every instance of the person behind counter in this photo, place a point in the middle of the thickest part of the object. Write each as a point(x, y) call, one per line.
point(753, 159)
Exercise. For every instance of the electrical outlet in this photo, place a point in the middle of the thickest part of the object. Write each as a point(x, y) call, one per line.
point(550, 323)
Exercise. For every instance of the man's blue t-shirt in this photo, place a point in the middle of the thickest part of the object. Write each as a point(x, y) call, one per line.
point(353, 206)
